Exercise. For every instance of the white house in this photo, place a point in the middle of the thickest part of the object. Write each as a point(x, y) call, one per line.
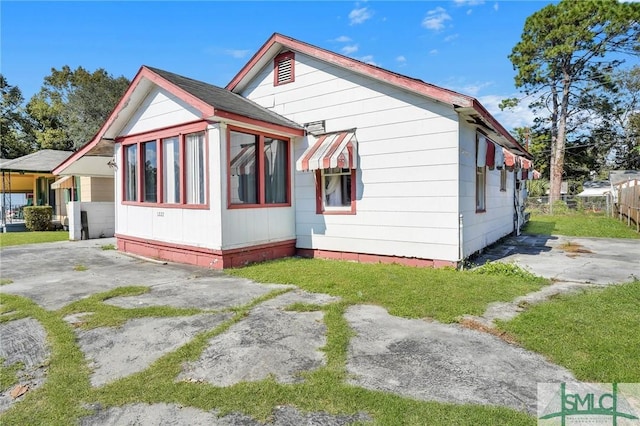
point(308, 152)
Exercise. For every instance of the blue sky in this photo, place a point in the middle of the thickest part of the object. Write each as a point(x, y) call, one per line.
point(462, 45)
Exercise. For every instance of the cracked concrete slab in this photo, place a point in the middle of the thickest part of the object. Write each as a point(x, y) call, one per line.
point(172, 414)
point(591, 260)
point(59, 284)
point(269, 341)
point(116, 352)
point(447, 363)
point(199, 292)
point(23, 341)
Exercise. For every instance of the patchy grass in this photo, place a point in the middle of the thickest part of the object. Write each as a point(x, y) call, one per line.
point(5, 281)
point(9, 374)
point(442, 294)
point(108, 247)
point(579, 225)
point(19, 238)
point(67, 389)
point(594, 334)
point(80, 268)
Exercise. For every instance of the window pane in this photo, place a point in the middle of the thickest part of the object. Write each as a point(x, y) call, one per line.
point(150, 160)
point(130, 181)
point(337, 187)
point(480, 187)
point(171, 170)
point(275, 171)
point(242, 173)
point(195, 169)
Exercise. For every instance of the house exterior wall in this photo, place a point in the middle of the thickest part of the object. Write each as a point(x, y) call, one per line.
point(215, 236)
point(100, 220)
point(96, 189)
point(160, 109)
point(482, 228)
point(407, 179)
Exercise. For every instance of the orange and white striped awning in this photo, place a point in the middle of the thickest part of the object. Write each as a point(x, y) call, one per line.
point(331, 150)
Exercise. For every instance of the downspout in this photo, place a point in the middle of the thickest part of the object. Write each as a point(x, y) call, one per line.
point(461, 242)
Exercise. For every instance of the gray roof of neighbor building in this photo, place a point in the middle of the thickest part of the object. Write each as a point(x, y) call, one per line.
point(617, 176)
point(224, 99)
point(43, 161)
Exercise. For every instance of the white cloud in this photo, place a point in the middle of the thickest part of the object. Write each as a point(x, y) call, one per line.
point(401, 59)
point(237, 53)
point(433, 52)
point(469, 12)
point(358, 16)
point(368, 59)
point(342, 39)
point(520, 116)
point(348, 50)
point(451, 37)
point(474, 89)
point(435, 19)
point(496, 6)
point(468, 2)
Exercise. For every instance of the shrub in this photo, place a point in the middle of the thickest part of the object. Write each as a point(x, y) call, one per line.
point(560, 207)
point(38, 218)
point(507, 269)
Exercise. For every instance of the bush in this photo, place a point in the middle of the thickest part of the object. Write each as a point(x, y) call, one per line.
point(38, 218)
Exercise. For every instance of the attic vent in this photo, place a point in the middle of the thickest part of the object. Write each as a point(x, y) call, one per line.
point(284, 69)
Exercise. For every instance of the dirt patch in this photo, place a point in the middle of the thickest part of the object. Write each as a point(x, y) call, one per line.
point(574, 249)
point(478, 326)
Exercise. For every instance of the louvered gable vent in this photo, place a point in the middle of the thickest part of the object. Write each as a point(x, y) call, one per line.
point(284, 68)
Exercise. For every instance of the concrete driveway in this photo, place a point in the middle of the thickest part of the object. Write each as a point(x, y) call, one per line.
point(413, 358)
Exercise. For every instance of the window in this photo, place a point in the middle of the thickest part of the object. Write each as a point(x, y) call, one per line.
point(130, 176)
point(174, 171)
point(150, 181)
point(503, 179)
point(258, 169)
point(283, 69)
point(481, 180)
point(336, 189)
point(195, 168)
point(171, 167)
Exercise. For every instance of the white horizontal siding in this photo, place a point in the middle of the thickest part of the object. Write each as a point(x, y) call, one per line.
point(483, 228)
point(159, 109)
point(407, 181)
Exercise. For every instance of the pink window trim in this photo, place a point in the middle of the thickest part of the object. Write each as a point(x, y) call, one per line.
point(158, 135)
point(259, 166)
point(320, 202)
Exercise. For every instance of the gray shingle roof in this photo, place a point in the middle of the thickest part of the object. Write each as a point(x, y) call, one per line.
point(225, 100)
point(43, 161)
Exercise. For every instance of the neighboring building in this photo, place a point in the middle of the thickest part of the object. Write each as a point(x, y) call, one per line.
point(32, 176)
point(310, 152)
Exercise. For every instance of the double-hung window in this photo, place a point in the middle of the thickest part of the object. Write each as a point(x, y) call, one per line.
point(336, 189)
point(166, 167)
point(258, 169)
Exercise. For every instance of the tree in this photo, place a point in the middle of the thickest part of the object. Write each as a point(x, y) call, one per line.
point(15, 136)
point(564, 54)
point(623, 119)
point(73, 104)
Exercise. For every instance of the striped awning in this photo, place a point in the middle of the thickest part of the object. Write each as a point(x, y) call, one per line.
point(244, 163)
point(331, 150)
point(64, 183)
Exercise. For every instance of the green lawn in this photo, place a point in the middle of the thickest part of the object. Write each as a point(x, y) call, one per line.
point(18, 238)
point(579, 225)
point(595, 334)
point(442, 294)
